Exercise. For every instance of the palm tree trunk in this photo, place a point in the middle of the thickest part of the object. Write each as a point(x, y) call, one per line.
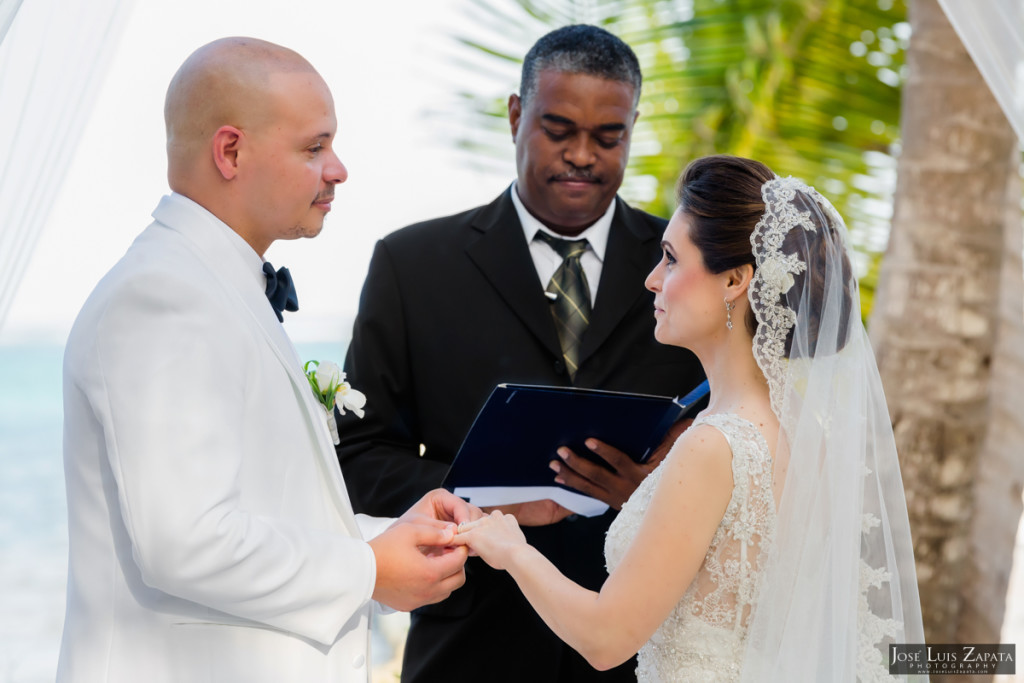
point(1000, 472)
point(947, 312)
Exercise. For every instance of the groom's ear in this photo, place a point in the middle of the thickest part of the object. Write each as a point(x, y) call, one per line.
point(225, 145)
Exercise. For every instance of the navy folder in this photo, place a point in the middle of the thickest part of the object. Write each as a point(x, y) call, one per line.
point(516, 433)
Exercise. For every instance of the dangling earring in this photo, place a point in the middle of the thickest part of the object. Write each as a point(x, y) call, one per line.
point(728, 313)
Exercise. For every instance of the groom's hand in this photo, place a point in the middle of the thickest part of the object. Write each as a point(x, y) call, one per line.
point(416, 563)
point(611, 487)
point(444, 506)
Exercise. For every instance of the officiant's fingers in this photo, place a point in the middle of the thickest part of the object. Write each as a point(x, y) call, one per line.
point(619, 461)
point(595, 480)
point(576, 471)
point(629, 473)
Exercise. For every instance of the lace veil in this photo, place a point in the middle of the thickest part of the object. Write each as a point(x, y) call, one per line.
point(840, 585)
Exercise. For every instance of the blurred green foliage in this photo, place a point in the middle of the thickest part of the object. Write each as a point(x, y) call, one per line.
point(809, 87)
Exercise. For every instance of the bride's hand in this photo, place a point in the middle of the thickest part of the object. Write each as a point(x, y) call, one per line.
point(493, 537)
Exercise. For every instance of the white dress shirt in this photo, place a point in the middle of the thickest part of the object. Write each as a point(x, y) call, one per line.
point(547, 260)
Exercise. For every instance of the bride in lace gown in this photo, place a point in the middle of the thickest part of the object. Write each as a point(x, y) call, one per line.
point(702, 638)
point(772, 542)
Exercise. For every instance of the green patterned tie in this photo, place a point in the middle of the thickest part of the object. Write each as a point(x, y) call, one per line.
point(571, 303)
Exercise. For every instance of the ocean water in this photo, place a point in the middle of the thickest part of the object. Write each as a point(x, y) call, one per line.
point(33, 513)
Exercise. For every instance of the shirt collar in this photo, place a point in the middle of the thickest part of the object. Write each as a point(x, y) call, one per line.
point(596, 234)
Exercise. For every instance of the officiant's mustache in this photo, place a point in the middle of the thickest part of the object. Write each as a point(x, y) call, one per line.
point(579, 174)
point(324, 198)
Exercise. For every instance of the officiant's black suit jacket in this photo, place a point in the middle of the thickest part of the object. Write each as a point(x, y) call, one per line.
point(450, 308)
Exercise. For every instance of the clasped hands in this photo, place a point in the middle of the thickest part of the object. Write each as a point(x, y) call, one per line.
point(417, 562)
point(420, 558)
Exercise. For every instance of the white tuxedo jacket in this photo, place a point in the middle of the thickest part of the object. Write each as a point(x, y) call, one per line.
point(211, 536)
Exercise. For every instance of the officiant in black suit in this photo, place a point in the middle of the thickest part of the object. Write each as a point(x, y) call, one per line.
point(544, 285)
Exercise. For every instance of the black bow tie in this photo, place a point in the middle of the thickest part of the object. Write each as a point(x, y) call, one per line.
point(280, 290)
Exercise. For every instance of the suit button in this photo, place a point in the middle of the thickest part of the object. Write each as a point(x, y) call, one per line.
point(560, 366)
point(572, 518)
point(358, 661)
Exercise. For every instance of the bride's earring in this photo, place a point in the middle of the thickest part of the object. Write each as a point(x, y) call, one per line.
point(728, 313)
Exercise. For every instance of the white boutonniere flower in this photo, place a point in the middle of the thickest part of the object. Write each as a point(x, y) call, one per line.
point(330, 388)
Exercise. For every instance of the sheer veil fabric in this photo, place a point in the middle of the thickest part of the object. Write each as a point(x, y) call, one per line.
point(993, 33)
point(840, 583)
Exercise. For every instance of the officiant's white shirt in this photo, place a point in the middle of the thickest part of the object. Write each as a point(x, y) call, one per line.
point(546, 260)
point(211, 535)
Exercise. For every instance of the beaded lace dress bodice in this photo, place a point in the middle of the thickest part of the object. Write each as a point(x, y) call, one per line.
point(702, 639)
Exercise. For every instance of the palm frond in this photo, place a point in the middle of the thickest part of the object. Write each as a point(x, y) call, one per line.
point(810, 87)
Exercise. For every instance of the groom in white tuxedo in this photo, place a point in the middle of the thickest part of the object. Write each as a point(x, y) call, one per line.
point(211, 536)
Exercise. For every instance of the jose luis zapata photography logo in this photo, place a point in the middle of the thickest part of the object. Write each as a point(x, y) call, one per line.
point(983, 659)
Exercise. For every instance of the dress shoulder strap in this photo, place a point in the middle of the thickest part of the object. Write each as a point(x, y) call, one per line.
point(745, 440)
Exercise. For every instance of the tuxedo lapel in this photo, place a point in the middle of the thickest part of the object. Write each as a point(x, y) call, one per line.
point(211, 246)
point(627, 263)
point(503, 257)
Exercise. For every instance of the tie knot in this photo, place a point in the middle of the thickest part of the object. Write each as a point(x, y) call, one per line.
point(567, 249)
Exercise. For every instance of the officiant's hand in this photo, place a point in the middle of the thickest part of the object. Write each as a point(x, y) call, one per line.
point(613, 488)
point(533, 513)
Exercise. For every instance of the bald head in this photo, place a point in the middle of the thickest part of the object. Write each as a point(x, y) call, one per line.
point(225, 82)
point(250, 133)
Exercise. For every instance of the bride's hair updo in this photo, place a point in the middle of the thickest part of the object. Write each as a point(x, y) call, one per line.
point(722, 197)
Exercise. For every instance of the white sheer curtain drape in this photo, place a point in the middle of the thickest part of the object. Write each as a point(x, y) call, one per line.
point(993, 33)
point(52, 60)
point(8, 8)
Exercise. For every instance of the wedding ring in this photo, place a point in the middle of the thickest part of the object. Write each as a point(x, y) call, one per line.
point(466, 526)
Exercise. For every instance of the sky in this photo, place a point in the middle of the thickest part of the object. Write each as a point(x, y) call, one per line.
point(389, 67)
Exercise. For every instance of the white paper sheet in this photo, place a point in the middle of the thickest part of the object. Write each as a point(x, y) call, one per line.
point(485, 496)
